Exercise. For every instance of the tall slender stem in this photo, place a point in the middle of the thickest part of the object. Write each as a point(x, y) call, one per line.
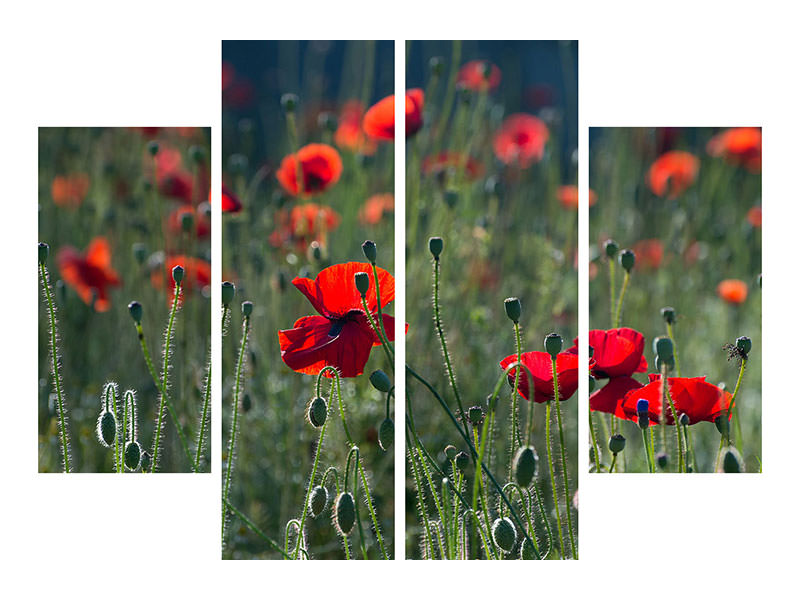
point(621, 301)
point(203, 418)
point(564, 462)
point(164, 372)
point(553, 479)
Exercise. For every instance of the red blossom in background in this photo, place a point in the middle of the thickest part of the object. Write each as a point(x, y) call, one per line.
point(739, 146)
point(340, 336)
point(568, 197)
point(672, 173)
point(379, 119)
point(479, 75)
point(304, 224)
point(230, 202)
point(375, 207)
point(349, 134)
point(89, 274)
point(541, 369)
point(649, 254)
point(69, 190)
point(202, 224)
point(733, 291)
point(521, 140)
point(197, 275)
point(439, 164)
point(321, 166)
point(694, 396)
point(754, 216)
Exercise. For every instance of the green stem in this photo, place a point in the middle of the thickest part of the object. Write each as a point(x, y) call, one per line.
point(733, 407)
point(674, 349)
point(371, 508)
point(515, 435)
point(681, 465)
point(380, 315)
point(164, 372)
point(647, 451)
point(595, 446)
point(563, 445)
point(378, 330)
point(613, 462)
point(612, 285)
point(618, 314)
point(553, 479)
point(314, 468)
point(203, 418)
point(254, 528)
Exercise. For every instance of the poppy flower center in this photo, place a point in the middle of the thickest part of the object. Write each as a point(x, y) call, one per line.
point(521, 138)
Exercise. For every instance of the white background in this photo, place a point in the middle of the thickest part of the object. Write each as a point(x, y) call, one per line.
point(158, 63)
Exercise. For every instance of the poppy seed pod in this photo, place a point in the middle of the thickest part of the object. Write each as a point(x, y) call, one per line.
point(644, 421)
point(106, 428)
point(380, 381)
point(668, 314)
point(616, 443)
point(732, 461)
point(611, 248)
point(247, 308)
point(684, 419)
point(744, 344)
point(247, 402)
point(177, 274)
point(627, 259)
point(44, 252)
point(525, 466)
point(450, 452)
point(526, 550)
point(314, 251)
point(553, 344)
point(386, 434)
point(513, 308)
point(462, 461)
point(362, 283)
point(133, 456)
point(370, 251)
point(504, 534)
point(662, 346)
point(475, 415)
point(152, 148)
point(317, 412)
point(436, 245)
point(136, 311)
point(228, 292)
point(344, 517)
point(318, 500)
point(662, 460)
point(289, 102)
point(669, 363)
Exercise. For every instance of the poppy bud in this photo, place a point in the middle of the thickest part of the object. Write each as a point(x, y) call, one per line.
point(462, 461)
point(525, 466)
point(513, 308)
point(281, 280)
point(317, 412)
point(732, 461)
point(345, 514)
point(370, 251)
point(611, 248)
point(362, 283)
point(475, 415)
point(327, 121)
point(683, 419)
point(616, 443)
point(436, 65)
point(152, 148)
point(526, 550)
point(662, 460)
point(247, 402)
point(450, 197)
point(314, 251)
point(238, 164)
point(106, 428)
point(642, 406)
point(289, 102)
point(504, 534)
point(436, 245)
point(723, 425)
point(147, 461)
point(318, 500)
point(187, 220)
point(592, 383)
point(197, 154)
point(744, 344)
point(627, 259)
point(450, 452)
point(662, 346)
point(669, 363)
point(668, 314)
point(228, 291)
point(139, 252)
point(133, 455)
point(247, 308)
point(44, 252)
point(553, 344)
point(386, 434)
point(380, 381)
point(136, 311)
point(177, 274)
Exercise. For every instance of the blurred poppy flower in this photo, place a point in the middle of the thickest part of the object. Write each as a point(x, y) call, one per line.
point(672, 173)
point(379, 119)
point(202, 224)
point(739, 146)
point(479, 75)
point(540, 95)
point(89, 274)
point(375, 207)
point(321, 166)
point(649, 254)
point(197, 275)
point(608, 399)
point(568, 196)
point(733, 291)
point(349, 134)
point(616, 352)
point(439, 164)
point(69, 190)
point(700, 400)
point(541, 369)
point(305, 223)
point(148, 132)
point(173, 180)
point(340, 336)
point(230, 203)
point(754, 216)
point(521, 140)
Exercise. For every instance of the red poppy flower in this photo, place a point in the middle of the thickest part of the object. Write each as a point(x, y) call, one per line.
point(173, 180)
point(568, 196)
point(520, 140)
point(439, 164)
point(649, 254)
point(541, 369)
point(230, 203)
point(202, 224)
point(754, 216)
point(616, 352)
point(672, 173)
point(609, 398)
point(340, 336)
point(69, 190)
point(305, 223)
point(375, 207)
point(349, 133)
point(733, 291)
point(479, 75)
point(739, 146)
point(700, 400)
point(321, 166)
point(90, 274)
point(197, 275)
point(379, 119)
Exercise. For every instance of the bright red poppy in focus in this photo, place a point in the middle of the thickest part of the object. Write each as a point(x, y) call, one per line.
point(69, 190)
point(340, 336)
point(379, 119)
point(733, 291)
point(321, 166)
point(649, 254)
point(541, 369)
point(304, 224)
point(568, 197)
point(349, 133)
point(609, 398)
point(89, 274)
point(700, 400)
point(230, 203)
point(375, 207)
point(521, 140)
point(479, 75)
point(739, 146)
point(672, 173)
point(197, 275)
point(439, 164)
point(616, 352)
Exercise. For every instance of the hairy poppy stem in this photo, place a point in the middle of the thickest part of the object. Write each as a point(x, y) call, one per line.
point(681, 465)
point(621, 301)
point(377, 330)
point(516, 440)
point(57, 384)
point(380, 316)
point(689, 453)
point(564, 462)
point(254, 528)
point(553, 478)
point(595, 446)
point(204, 416)
point(612, 286)
point(613, 462)
point(674, 349)
point(428, 537)
point(646, 443)
point(733, 407)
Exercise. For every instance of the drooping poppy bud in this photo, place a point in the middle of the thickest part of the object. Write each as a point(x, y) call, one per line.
point(525, 466)
point(317, 412)
point(504, 534)
point(344, 517)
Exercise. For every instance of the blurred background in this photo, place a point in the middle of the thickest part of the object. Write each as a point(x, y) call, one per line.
point(96, 185)
point(687, 200)
point(275, 236)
